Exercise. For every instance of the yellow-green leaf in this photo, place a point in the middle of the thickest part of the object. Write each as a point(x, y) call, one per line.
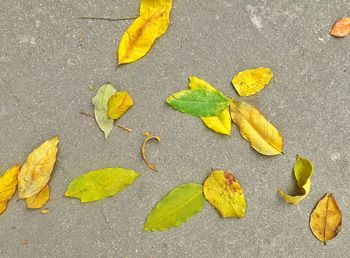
point(326, 219)
point(220, 123)
point(256, 129)
point(223, 191)
point(100, 102)
point(98, 184)
point(40, 199)
point(303, 170)
point(249, 82)
point(199, 102)
point(178, 206)
point(35, 173)
point(8, 186)
point(118, 104)
point(152, 23)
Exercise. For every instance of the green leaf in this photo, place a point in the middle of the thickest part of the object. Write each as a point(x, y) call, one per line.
point(220, 123)
point(178, 206)
point(98, 184)
point(199, 102)
point(100, 102)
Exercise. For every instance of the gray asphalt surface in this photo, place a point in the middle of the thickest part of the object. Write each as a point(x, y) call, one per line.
point(46, 70)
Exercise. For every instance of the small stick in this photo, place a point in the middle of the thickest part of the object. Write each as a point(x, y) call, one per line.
point(143, 149)
point(107, 19)
point(115, 124)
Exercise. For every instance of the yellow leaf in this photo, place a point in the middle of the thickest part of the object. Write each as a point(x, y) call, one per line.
point(220, 123)
point(118, 104)
point(249, 82)
point(303, 170)
point(255, 128)
point(152, 23)
point(8, 185)
point(225, 193)
point(326, 219)
point(341, 28)
point(38, 200)
point(44, 211)
point(36, 171)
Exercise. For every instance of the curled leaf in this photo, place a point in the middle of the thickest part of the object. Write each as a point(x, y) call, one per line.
point(303, 170)
point(152, 23)
point(220, 123)
point(8, 186)
point(199, 102)
point(249, 82)
point(143, 149)
point(98, 184)
point(100, 102)
point(35, 173)
point(118, 104)
point(38, 200)
point(326, 219)
point(224, 192)
point(44, 211)
point(341, 28)
point(178, 206)
point(256, 129)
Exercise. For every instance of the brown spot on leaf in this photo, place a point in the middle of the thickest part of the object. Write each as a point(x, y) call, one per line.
point(230, 179)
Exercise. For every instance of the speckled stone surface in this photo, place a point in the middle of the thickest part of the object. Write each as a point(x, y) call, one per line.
point(48, 60)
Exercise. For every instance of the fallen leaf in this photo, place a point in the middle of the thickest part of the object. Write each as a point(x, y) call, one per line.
point(256, 129)
point(178, 206)
point(36, 171)
point(303, 170)
point(152, 23)
point(199, 102)
point(249, 82)
point(220, 123)
point(118, 104)
point(100, 102)
point(326, 219)
point(341, 28)
point(223, 191)
point(38, 200)
point(143, 149)
point(44, 211)
point(98, 184)
point(8, 186)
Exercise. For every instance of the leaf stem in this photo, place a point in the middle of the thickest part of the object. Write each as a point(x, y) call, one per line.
point(143, 149)
point(115, 124)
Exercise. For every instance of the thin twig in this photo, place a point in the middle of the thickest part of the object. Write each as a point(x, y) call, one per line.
point(107, 19)
point(115, 124)
point(143, 149)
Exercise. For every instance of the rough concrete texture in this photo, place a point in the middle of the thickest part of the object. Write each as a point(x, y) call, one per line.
point(47, 68)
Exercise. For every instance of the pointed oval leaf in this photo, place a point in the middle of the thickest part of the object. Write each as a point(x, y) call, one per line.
point(199, 102)
point(220, 123)
point(224, 192)
point(35, 173)
point(303, 170)
point(341, 28)
point(118, 104)
point(256, 129)
point(178, 206)
point(326, 218)
point(251, 81)
point(100, 102)
point(152, 23)
point(40, 199)
point(8, 186)
point(98, 184)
